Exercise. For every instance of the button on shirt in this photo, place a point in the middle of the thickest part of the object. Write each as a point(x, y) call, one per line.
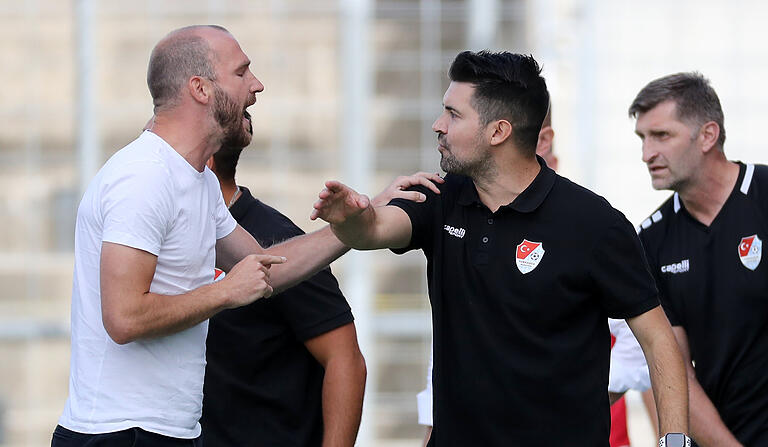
point(520, 300)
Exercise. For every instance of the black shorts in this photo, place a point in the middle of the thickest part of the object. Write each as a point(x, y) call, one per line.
point(132, 437)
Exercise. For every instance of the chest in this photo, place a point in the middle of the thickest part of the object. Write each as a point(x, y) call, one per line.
point(190, 239)
point(512, 261)
point(720, 268)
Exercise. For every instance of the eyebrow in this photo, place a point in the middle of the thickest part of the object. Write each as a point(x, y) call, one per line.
point(245, 64)
point(450, 108)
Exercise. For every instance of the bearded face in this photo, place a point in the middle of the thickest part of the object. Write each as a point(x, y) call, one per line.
point(234, 119)
point(475, 161)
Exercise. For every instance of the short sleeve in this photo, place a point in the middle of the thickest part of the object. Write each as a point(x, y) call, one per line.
point(421, 215)
point(225, 223)
point(620, 272)
point(629, 370)
point(315, 306)
point(137, 206)
point(666, 304)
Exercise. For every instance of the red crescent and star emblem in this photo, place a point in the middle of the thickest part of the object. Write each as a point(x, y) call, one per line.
point(528, 255)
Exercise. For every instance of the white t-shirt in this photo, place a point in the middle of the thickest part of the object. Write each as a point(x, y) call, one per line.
point(629, 370)
point(149, 197)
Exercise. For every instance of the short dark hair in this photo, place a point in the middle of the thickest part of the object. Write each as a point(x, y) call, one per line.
point(225, 160)
point(179, 56)
point(507, 86)
point(696, 100)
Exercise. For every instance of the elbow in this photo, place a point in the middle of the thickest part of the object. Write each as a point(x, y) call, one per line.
point(361, 368)
point(118, 329)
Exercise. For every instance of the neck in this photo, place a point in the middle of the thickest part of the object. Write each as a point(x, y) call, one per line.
point(189, 133)
point(513, 177)
point(705, 196)
point(228, 191)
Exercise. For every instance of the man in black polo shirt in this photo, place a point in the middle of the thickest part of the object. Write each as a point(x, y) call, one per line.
point(285, 371)
point(524, 268)
point(704, 245)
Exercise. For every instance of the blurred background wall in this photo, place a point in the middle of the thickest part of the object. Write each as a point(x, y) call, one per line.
point(352, 87)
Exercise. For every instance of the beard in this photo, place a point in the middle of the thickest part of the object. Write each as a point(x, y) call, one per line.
point(479, 166)
point(229, 116)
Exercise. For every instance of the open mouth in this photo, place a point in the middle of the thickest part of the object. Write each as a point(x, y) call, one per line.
point(249, 124)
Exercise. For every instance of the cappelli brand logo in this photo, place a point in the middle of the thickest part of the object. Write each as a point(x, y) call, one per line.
point(677, 267)
point(750, 251)
point(457, 232)
point(528, 255)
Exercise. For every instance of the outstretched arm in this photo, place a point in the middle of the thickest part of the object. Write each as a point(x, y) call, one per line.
point(665, 365)
point(309, 253)
point(357, 223)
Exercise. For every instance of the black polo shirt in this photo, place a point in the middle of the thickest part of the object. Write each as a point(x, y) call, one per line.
point(262, 386)
point(522, 358)
point(713, 282)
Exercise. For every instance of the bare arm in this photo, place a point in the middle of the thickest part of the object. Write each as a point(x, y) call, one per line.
point(707, 428)
point(666, 367)
point(306, 254)
point(343, 384)
point(130, 311)
point(312, 252)
point(650, 407)
point(357, 223)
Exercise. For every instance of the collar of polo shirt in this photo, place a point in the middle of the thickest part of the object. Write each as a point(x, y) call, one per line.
point(527, 201)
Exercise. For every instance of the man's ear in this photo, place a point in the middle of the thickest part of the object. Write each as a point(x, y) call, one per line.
point(200, 89)
point(708, 135)
point(500, 132)
point(544, 143)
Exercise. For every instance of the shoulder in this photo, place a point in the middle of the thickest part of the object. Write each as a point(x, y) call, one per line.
point(266, 224)
point(454, 183)
point(755, 181)
point(581, 205)
point(142, 160)
point(654, 226)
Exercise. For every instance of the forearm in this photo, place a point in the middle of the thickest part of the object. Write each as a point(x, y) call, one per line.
point(307, 255)
point(669, 382)
point(343, 389)
point(666, 368)
point(154, 315)
point(707, 428)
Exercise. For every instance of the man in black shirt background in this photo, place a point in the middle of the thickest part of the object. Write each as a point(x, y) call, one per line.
point(704, 245)
point(524, 268)
point(285, 371)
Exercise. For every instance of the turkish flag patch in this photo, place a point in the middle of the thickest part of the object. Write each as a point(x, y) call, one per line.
point(750, 251)
point(528, 255)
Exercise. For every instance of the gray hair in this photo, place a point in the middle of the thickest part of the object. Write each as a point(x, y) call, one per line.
point(696, 100)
